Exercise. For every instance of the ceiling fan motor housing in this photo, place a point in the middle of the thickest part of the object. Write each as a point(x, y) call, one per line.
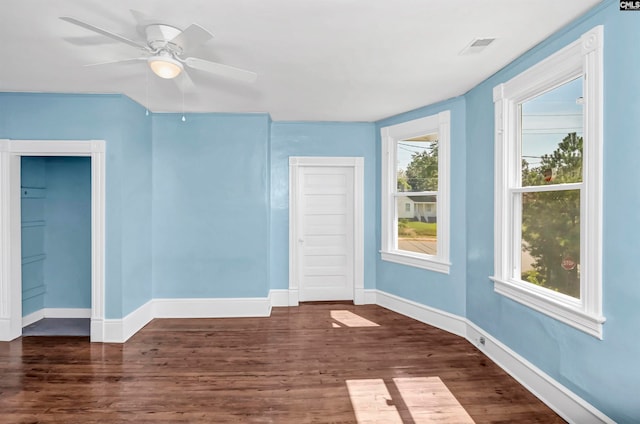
point(159, 38)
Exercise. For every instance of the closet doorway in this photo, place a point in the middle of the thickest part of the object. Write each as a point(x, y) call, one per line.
point(18, 246)
point(55, 208)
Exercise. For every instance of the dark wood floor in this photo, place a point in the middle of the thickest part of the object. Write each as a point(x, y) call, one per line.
point(301, 365)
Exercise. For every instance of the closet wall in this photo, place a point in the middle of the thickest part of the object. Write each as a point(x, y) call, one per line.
point(33, 194)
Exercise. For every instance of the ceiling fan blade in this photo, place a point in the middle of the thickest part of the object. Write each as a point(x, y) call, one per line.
point(185, 83)
point(220, 69)
point(110, 62)
point(142, 20)
point(193, 36)
point(104, 32)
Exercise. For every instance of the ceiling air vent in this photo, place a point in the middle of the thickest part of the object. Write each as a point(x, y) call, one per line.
point(477, 45)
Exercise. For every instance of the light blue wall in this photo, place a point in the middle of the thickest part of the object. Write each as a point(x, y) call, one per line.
point(318, 139)
point(603, 372)
point(32, 210)
point(67, 268)
point(120, 122)
point(437, 290)
point(136, 215)
point(210, 206)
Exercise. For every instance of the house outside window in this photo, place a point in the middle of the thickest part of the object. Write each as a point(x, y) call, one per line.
point(548, 201)
point(415, 172)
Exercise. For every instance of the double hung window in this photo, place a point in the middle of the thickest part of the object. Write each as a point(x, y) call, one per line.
point(415, 193)
point(548, 201)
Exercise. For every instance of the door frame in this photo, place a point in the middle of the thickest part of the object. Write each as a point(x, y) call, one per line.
point(11, 152)
point(295, 224)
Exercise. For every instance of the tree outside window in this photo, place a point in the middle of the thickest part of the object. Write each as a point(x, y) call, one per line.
point(550, 222)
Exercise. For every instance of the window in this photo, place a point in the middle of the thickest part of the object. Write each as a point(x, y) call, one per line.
point(548, 176)
point(415, 171)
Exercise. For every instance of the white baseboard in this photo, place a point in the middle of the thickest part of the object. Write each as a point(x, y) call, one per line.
point(5, 330)
point(212, 308)
point(120, 330)
point(55, 313)
point(432, 316)
point(97, 330)
point(112, 331)
point(32, 317)
point(293, 297)
point(67, 312)
point(563, 401)
point(279, 297)
point(370, 297)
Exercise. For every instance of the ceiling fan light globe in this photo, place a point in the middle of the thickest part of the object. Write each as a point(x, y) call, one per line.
point(165, 67)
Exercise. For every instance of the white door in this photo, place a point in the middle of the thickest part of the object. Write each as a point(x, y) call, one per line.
point(326, 233)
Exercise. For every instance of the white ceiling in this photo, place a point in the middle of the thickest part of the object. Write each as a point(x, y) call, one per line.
point(317, 60)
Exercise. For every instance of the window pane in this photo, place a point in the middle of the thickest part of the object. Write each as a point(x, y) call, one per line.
point(417, 167)
point(551, 240)
point(417, 231)
point(551, 135)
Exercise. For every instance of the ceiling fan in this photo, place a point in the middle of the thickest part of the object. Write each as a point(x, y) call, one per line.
point(165, 48)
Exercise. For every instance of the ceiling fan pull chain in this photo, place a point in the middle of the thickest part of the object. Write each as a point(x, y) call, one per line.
point(146, 74)
point(183, 118)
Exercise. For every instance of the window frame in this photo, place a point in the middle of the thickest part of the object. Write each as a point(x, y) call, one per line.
point(580, 58)
point(390, 136)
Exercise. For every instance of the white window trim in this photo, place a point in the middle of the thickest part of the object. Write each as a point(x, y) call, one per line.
point(390, 135)
point(583, 57)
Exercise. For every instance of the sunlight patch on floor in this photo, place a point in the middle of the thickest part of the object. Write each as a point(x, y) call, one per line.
point(372, 402)
point(349, 319)
point(427, 399)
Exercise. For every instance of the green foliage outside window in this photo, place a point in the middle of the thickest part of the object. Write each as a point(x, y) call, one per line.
point(551, 219)
point(422, 172)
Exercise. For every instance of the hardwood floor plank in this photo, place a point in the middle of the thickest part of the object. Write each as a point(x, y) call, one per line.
point(301, 365)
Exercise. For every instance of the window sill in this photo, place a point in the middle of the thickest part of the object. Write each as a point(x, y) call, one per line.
point(418, 261)
point(565, 312)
